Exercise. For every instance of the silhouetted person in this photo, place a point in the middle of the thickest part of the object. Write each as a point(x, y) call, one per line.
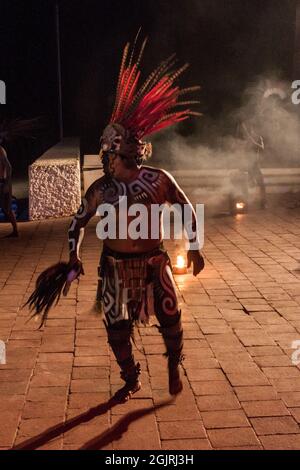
point(11, 130)
point(6, 191)
point(255, 145)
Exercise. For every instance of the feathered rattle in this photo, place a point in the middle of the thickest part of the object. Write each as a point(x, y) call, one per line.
point(49, 286)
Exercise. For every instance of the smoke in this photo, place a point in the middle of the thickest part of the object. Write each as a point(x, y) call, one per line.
point(232, 141)
point(264, 128)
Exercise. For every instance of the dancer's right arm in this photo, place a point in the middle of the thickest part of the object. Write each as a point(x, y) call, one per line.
point(86, 211)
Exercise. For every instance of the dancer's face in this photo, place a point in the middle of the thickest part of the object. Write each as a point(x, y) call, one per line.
point(113, 165)
point(111, 138)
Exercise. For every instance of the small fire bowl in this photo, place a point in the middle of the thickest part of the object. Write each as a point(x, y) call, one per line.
point(180, 267)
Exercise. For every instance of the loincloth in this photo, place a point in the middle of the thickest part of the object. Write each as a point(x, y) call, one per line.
point(126, 284)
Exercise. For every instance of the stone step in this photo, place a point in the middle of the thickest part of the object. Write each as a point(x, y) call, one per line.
point(55, 182)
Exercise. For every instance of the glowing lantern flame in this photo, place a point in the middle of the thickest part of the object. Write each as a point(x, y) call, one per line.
point(240, 206)
point(180, 262)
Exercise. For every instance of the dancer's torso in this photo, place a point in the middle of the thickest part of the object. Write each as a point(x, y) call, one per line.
point(147, 192)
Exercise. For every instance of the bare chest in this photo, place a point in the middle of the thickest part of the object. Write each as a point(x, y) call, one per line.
point(147, 189)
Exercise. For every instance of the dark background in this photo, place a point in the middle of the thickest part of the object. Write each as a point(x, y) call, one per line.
point(227, 42)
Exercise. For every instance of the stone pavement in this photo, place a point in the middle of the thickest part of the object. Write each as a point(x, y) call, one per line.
point(241, 316)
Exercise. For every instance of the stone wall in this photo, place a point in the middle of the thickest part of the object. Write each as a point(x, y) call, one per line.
point(55, 183)
point(92, 170)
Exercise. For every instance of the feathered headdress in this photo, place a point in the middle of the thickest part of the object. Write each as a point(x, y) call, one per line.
point(143, 109)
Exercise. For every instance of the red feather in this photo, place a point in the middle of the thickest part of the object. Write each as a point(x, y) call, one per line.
point(147, 109)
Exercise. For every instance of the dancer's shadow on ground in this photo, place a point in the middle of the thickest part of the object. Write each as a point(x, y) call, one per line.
point(103, 439)
point(116, 432)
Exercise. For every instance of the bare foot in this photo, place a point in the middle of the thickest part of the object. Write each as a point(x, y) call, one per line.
point(12, 235)
point(175, 383)
point(126, 392)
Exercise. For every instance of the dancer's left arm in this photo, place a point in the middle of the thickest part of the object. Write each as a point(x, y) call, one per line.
point(175, 195)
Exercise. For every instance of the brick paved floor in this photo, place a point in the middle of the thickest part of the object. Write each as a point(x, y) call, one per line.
point(240, 318)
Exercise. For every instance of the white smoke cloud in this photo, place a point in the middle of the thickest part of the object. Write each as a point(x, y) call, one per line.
point(275, 118)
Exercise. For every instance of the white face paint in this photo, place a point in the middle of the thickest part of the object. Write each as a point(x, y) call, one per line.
point(112, 137)
point(114, 134)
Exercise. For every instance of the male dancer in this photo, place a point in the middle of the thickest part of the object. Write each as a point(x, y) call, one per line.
point(6, 190)
point(136, 274)
point(256, 145)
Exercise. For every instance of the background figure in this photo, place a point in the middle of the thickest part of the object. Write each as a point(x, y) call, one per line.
point(11, 130)
point(6, 191)
point(255, 143)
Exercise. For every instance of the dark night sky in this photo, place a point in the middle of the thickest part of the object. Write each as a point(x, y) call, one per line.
point(227, 42)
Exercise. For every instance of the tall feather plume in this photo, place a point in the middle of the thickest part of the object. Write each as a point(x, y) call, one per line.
point(152, 80)
point(151, 107)
point(191, 89)
point(187, 103)
point(123, 63)
point(132, 80)
point(128, 82)
point(134, 46)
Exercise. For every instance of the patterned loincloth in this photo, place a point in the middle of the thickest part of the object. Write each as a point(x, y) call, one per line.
point(127, 284)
